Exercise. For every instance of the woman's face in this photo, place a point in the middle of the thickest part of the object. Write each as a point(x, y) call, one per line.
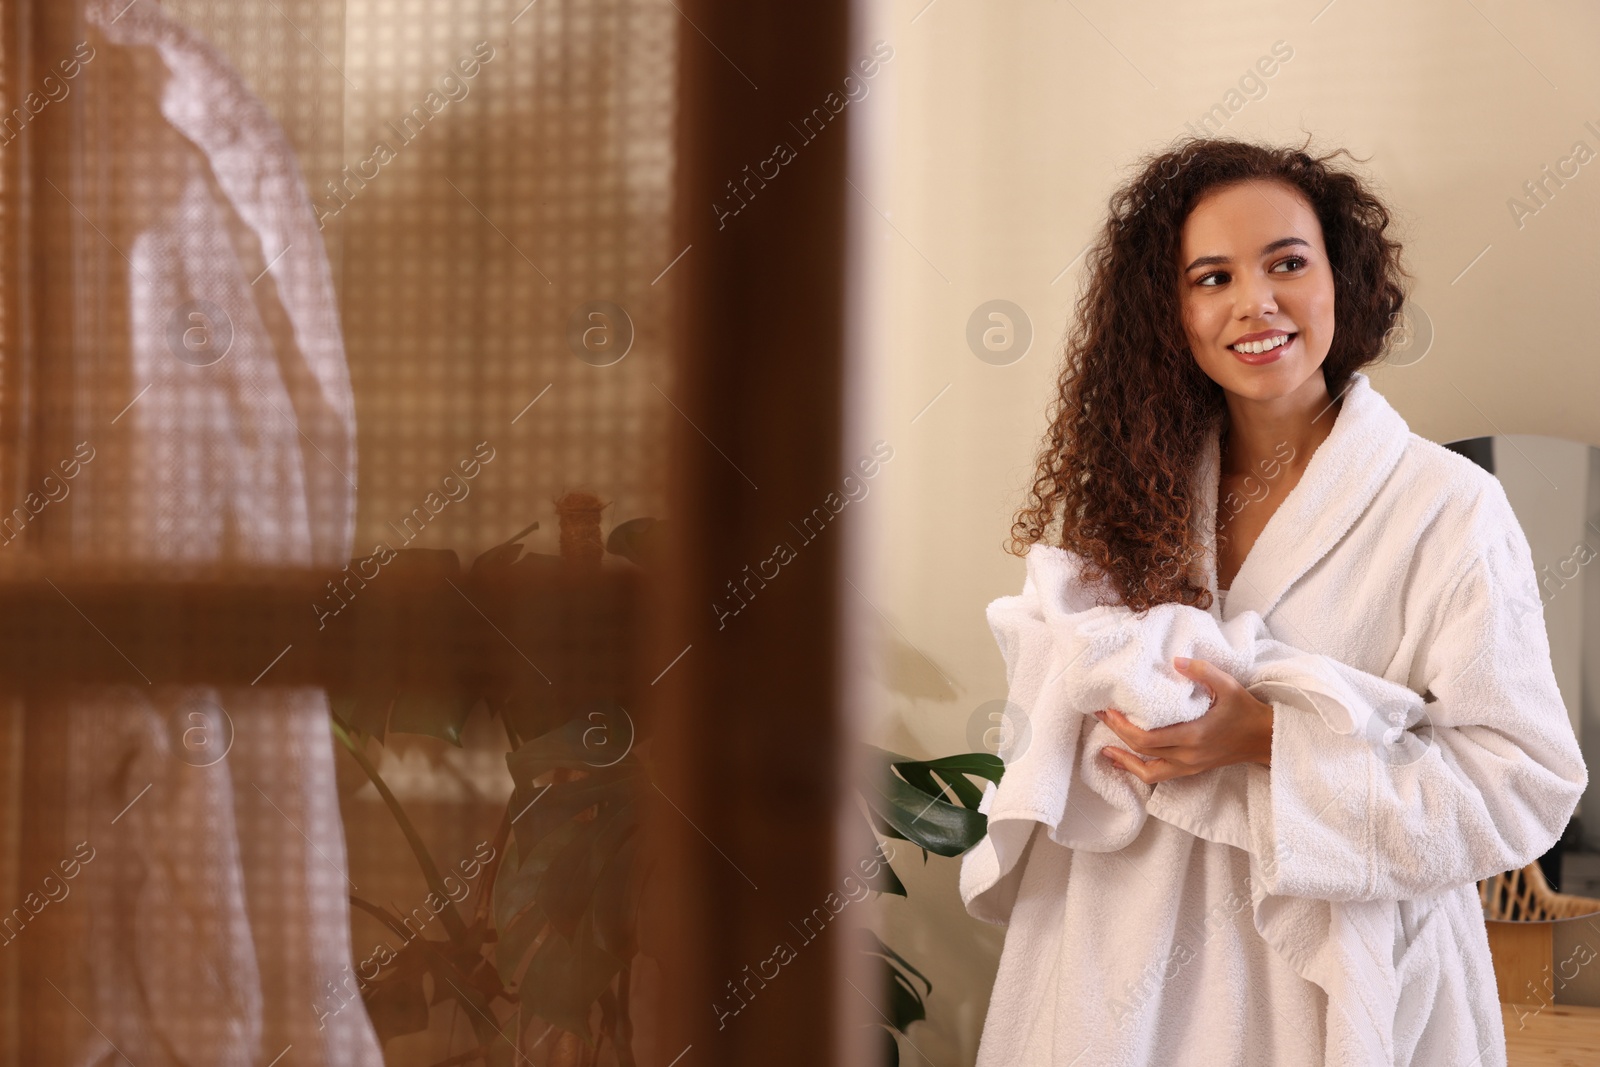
point(1254, 270)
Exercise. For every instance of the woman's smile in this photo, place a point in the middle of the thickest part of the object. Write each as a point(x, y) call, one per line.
point(1256, 349)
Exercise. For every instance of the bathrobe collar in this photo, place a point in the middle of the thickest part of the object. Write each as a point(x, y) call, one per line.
point(1341, 479)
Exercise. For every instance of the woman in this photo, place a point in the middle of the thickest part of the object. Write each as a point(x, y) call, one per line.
point(1281, 881)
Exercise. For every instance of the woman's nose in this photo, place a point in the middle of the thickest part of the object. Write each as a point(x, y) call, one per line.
point(1255, 300)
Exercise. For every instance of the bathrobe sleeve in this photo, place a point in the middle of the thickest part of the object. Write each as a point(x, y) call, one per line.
point(1358, 805)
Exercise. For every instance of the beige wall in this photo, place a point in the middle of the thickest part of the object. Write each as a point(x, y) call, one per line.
point(1000, 129)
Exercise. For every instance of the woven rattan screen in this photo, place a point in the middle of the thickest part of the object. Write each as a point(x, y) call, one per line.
point(334, 405)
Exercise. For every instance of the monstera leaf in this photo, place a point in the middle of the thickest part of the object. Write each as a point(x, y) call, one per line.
point(908, 990)
point(934, 805)
point(397, 1004)
point(642, 541)
point(912, 799)
point(442, 714)
point(567, 897)
point(500, 557)
point(559, 920)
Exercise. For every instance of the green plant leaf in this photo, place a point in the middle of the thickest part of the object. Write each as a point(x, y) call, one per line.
point(495, 559)
point(569, 885)
point(543, 808)
point(517, 916)
point(433, 714)
point(886, 881)
point(597, 735)
point(367, 712)
point(907, 1002)
point(566, 977)
point(876, 946)
point(928, 822)
point(883, 827)
point(922, 774)
point(505, 902)
point(517, 884)
point(516, 940)
point(613, 1022)
point(642, 541)
point(969, 795)
point(955, 769)
point(500, 556)
point(890, 1053)
point(617, 897)
point(396, 1003)
point(905, 800)
point(952, 770)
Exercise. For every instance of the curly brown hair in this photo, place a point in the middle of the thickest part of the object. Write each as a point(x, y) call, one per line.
point(1133, 409)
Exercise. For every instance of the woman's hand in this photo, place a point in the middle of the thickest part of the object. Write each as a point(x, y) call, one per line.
point(1237, 729)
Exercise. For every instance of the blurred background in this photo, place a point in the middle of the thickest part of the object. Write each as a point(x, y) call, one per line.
point(486, 481)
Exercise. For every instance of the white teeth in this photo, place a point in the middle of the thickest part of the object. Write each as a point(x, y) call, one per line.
point(1257, 347)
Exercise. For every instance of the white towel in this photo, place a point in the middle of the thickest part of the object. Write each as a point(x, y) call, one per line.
point(1124, 661)
point(1068, 658)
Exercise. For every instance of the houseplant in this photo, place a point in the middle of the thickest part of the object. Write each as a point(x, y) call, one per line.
point(547, 944)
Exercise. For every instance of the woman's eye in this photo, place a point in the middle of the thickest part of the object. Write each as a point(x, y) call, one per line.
point(1204, 279)
point(1292, 263)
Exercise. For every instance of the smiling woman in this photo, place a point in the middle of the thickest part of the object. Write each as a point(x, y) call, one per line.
point(1285, 874)
point(1272, 225)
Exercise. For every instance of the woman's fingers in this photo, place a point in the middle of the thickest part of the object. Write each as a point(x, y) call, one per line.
point(1212, 678)
point(1141, 740)
point(1149, 772)
point(1227, 733)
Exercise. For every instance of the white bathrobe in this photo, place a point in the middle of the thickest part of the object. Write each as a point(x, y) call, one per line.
point(1323, 910)
point(213, 925)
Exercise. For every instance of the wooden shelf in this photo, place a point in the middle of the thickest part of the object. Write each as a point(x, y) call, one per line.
point(421, 622)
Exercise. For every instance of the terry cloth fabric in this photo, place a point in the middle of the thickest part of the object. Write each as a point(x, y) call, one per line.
point(1389, 612)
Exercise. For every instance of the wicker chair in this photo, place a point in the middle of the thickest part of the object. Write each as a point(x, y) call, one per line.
point(1524, 896)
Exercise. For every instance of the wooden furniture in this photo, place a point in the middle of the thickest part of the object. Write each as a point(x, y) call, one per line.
point(1525, 895)
point(1556, 1035)
point(1546, 949)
